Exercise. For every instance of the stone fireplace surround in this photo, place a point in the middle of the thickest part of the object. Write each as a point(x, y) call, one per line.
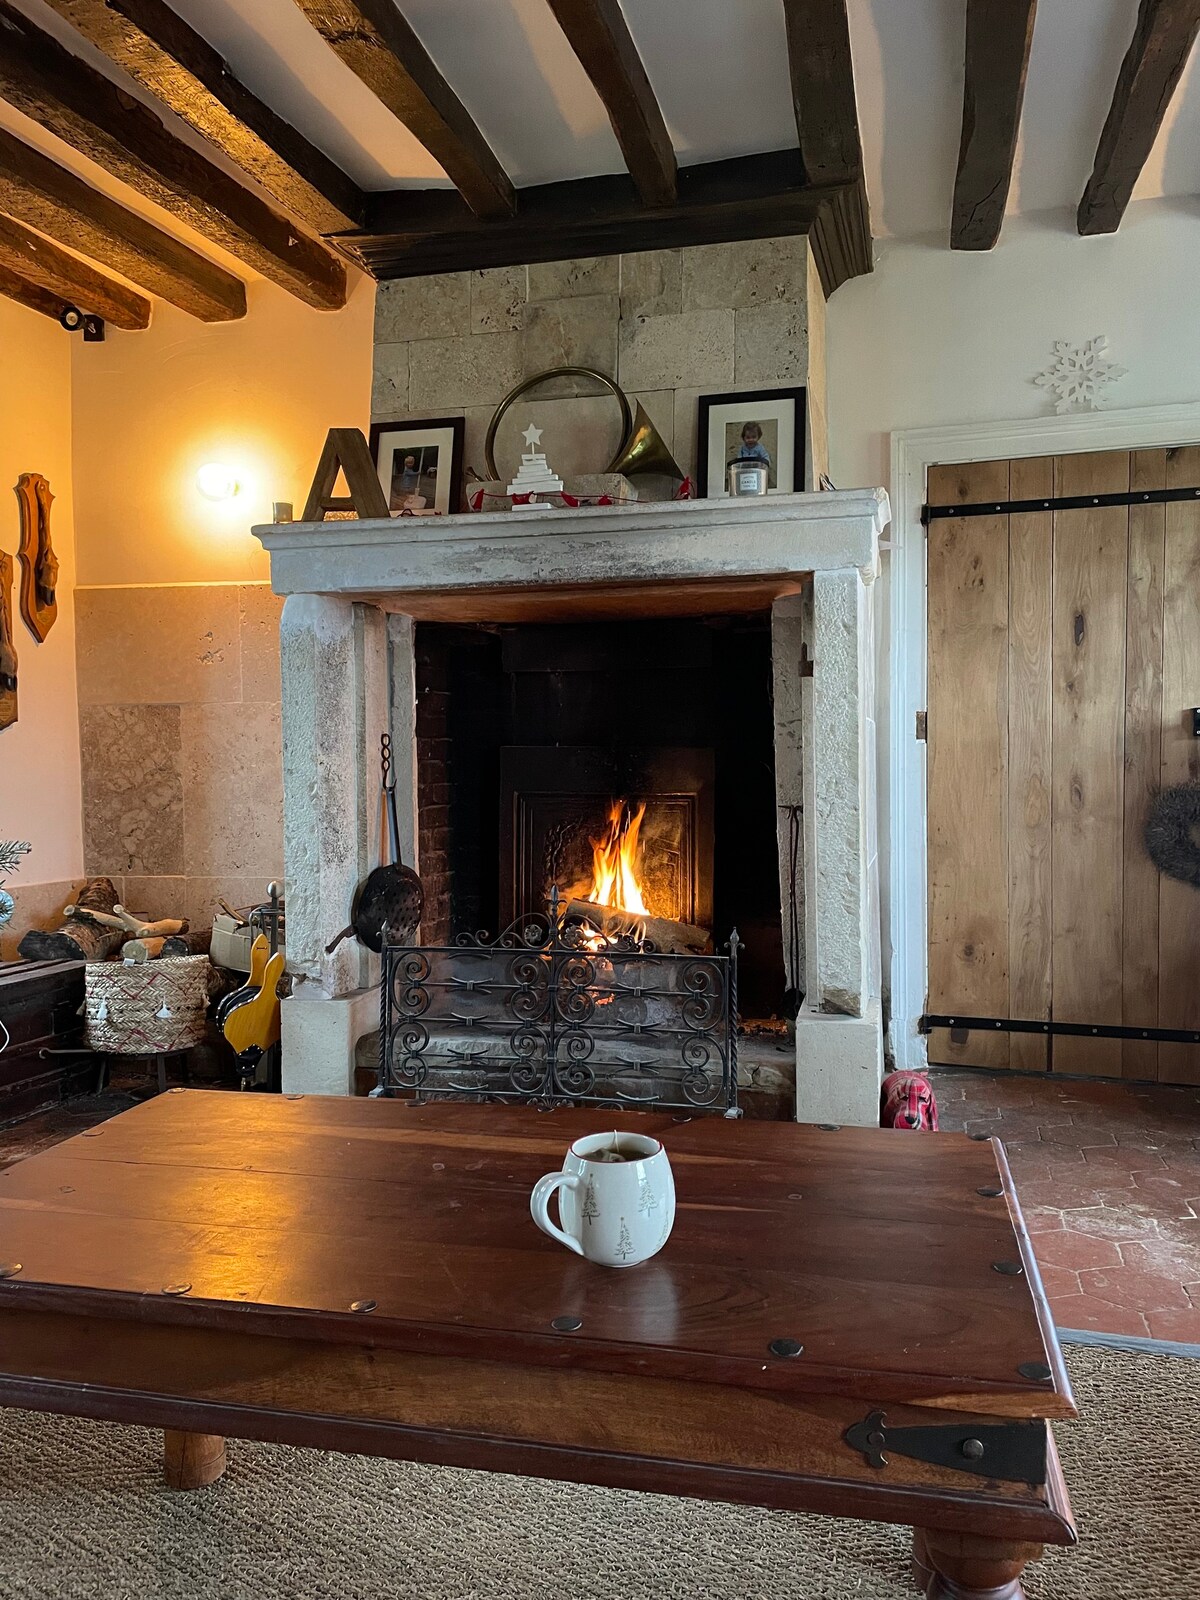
point(354, 590)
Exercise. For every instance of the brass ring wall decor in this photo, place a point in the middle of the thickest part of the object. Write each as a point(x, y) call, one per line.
point(542, 377)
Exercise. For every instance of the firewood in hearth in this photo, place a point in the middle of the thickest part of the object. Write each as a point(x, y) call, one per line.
point(83, 936)
point(665, 934)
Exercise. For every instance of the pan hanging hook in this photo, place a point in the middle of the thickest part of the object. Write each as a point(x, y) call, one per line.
point(385, 761)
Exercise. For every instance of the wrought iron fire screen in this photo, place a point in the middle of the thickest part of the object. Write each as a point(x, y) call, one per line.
point(539, 1015)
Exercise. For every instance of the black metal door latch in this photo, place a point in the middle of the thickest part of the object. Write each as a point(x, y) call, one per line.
point(1014, 1452)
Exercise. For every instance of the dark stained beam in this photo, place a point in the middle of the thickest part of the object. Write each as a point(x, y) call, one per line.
point(31, 295)
point(38, 261)
point(999, 36)
point(600, 37)
point(161, 51)
point(818, 43)
point(93, 115)
point(1163, 37)
point(380, 48)
point(416, 231)
point(39, 192)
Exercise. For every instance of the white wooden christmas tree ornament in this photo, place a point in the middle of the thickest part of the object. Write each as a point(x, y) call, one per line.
point(534, 476)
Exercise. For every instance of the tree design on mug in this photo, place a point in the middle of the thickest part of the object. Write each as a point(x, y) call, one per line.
point(624, 1243)
point(590, 1209)
point(647, 1202)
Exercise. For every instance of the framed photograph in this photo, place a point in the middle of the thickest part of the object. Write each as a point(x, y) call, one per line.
point(423, 459)
point(765, 426)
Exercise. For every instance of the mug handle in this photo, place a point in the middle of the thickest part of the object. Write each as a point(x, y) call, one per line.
point(539, 1206)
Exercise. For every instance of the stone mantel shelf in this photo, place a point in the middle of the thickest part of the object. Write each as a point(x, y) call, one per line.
point(405, 563)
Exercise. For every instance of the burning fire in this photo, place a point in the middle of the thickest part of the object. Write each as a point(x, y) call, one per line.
point(616, 857)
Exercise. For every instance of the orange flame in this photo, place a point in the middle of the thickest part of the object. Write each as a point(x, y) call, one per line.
point(616, 861)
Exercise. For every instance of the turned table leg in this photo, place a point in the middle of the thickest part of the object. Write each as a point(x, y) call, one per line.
point(967, 1566)
point(192, 1460)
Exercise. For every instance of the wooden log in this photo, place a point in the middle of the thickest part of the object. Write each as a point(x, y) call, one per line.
point(82, 936)
point(665, 934)
point(195, 942)
point(192, 1460)
point(142, 949)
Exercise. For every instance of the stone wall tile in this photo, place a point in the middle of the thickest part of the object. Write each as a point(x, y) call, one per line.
point(651, 283)
point(552, 280)
point(498, 299)
point(389, 382)
point(435, 307)
point(771, 344)
point(131, 761)
point(258, 617)
point(155, 898)
point(160, 645)
point(693, 348)
point(37, 905)
point(233, 791)
point(472, 371)
point(579, 331)
point(477, 419)
point(750, 272)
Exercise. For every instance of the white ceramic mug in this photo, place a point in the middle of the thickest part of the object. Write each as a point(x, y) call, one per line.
point(616, 1199)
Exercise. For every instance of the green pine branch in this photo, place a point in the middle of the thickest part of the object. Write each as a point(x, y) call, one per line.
point(11, 852)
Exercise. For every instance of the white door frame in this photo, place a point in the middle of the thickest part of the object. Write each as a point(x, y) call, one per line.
point(914, 450)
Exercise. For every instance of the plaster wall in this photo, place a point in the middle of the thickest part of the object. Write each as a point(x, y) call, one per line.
point(39, 754)
point(936, 337)
point(178, 637)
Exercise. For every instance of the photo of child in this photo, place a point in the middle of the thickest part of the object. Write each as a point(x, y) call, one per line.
point(414, 472)
point(753, 441)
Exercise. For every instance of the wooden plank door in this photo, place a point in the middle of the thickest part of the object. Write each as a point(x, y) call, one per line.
point(1064, 659)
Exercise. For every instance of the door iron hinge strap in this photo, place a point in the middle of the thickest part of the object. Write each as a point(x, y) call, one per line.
point(1074, 1030)
point(1014, 1452)
point(1067, 502)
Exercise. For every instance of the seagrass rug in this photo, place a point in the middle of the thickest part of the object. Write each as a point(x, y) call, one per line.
point(84, 1516)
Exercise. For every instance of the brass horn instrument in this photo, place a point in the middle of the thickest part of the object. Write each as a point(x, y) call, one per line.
point(642, 448)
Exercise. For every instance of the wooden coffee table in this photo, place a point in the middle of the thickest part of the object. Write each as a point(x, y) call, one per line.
point(845, 1321)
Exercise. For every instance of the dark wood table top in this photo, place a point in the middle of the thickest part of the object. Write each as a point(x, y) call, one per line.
point(876, 1250)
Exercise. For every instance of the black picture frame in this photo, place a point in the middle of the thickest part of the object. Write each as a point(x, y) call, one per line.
point(380, 432)
point(751, 398)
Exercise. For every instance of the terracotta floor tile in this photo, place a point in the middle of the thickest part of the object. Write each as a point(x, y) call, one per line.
point(1164, 1190)
point(1075, 1136)
point(1062, 1190)
point(1081, 1311)
point(1135, 1290)
point(1182, 1326)
point(1051, 1155)
point(1042, 1219)
point(1123, 1157)
point(1059, 1281)
point(1110, 1222)
point(1165, 1256)
point(1075, 1251)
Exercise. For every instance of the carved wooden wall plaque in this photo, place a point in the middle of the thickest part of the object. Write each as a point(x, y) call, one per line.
point(8, 646)
point(39, 564)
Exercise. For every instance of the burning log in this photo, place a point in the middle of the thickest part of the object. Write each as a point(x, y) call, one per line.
point(665, 934)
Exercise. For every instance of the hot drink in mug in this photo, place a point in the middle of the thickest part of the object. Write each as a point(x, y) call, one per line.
point(616, 1199)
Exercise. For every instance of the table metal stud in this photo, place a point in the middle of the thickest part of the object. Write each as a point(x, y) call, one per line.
point(990, 1194)
point(10, 1269)
point(363, 1305)
point(972, 1449)
point(177, 1288)
point(829, 1127)
point(1010, 1269)
point(1038, 1370)
point(785, 1347)
point(567, 1324)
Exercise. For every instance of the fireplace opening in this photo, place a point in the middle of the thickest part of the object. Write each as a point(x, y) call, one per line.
point(630, 765)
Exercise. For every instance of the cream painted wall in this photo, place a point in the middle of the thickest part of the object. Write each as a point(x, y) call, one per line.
point(258, 395)
point(941, 336)
point(39, 754)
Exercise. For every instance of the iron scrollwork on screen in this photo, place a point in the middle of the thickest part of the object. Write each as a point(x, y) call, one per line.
point(540, 1014)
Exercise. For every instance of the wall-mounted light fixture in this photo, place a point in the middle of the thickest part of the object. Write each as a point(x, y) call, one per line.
point(216, 481)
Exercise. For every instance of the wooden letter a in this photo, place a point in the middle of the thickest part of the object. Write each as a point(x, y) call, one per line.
point(345, 448)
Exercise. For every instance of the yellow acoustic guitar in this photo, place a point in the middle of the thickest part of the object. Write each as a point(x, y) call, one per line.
point(252, 1026)
point(260, 954)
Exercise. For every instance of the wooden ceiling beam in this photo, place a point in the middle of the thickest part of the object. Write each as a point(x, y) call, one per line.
point(96, 117)
point(381, 49)
point(999, 36)
point(415, 231)
point(31, 295)
point(1162, 41)
point(45, 196)
point(600, 37)
point(39, 261)
point(818, 44)
point(157, 48)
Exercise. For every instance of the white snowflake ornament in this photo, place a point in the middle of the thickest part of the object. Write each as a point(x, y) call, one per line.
point(1079, 374)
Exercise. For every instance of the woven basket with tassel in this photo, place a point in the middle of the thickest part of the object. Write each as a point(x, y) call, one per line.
point(154, 1008)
